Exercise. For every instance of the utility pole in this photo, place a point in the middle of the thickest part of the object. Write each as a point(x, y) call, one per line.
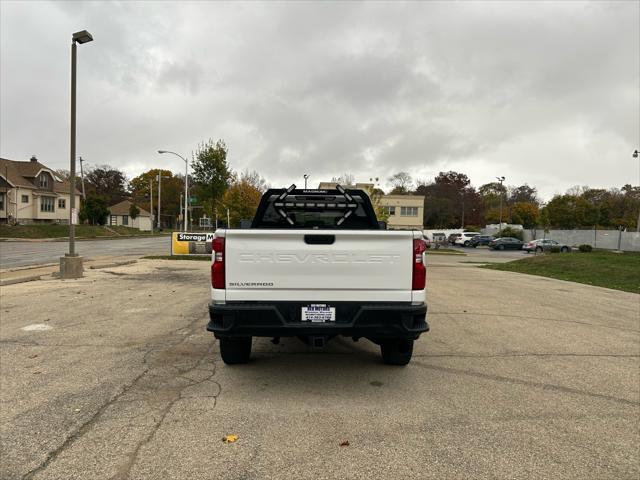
point(462, 197)
point(500, 179)
point(151, 201)
point(228, 221)
point(84, 196)
point(160, 177)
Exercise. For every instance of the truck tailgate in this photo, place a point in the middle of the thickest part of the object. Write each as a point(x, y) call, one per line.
point(318, 265)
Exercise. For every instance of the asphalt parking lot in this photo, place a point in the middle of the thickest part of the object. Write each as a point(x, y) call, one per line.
point(113, 376)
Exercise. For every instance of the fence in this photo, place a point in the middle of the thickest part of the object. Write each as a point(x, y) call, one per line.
point(607, 239)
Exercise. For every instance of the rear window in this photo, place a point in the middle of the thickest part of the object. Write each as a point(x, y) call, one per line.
point(316, 212)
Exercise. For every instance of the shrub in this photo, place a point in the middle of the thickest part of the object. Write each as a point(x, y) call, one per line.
point(510, 232)
point(554, 249)
point(585, 248)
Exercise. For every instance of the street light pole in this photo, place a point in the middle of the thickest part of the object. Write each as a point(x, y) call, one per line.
point(306, 177)
point(186, 185)
point(635, 155)
point(71, 263)
point(500, 179)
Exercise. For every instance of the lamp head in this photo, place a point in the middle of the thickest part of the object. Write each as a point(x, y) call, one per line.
point(82, 37)
point(635, 154)
point(162, 151)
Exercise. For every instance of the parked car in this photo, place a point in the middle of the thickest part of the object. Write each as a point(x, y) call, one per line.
point(451, 239)
point(544, 245)
point(506, 243)
point(465, 238)
point(479, 240)
point(427, 242)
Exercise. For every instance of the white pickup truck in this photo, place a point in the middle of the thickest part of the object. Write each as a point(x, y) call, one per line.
point(316, 264)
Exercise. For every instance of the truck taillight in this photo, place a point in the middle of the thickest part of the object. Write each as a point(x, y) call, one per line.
point(217, 267)
point(419, 270)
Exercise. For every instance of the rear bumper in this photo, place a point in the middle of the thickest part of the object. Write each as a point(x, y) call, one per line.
point(283, 319)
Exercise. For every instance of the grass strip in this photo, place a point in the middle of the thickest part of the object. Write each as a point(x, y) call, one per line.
point(602, 268)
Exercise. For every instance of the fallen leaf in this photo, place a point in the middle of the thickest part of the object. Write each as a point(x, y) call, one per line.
point(230, 438)
point(345, 443)
point(33, 356)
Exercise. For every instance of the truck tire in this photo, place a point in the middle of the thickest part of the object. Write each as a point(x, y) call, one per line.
point(397, 352)
point(235, 350)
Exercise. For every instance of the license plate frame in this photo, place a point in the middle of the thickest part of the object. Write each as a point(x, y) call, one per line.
point(318, 313)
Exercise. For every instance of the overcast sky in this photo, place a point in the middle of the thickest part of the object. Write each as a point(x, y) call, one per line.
point(545, 93)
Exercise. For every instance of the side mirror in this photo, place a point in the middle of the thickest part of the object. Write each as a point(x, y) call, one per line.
point(382, 225)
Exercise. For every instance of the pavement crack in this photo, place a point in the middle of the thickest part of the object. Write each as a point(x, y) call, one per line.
point(528, 383)
point(86, 426)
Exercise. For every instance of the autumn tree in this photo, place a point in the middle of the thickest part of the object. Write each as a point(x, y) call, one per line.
point(241, 199)
point(172, 188)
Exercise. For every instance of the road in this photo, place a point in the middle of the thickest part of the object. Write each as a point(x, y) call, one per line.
point(113, 376)
point(20, 254)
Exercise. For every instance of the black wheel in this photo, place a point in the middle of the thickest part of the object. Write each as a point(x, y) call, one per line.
point(474, 245)
point(466, 244)
point(564, 250)
point(538, 249)
point(500, 247)
point(397, 352)
point(235, 350)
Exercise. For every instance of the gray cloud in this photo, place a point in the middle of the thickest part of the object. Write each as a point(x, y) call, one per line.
point(546, 93)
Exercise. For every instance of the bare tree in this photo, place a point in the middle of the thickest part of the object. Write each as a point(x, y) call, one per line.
point(402, 182)
point(345, 179)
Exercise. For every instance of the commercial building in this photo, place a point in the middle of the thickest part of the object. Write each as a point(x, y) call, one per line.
point(120, 215)
point(30, 192)
point(405, 212)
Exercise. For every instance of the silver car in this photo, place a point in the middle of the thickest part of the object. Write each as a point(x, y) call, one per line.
point(544, 245)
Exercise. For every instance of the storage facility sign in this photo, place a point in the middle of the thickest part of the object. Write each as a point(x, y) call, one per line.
point(183, 243)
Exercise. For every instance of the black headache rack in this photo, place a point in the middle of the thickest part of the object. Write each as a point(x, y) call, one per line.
point(316, 209)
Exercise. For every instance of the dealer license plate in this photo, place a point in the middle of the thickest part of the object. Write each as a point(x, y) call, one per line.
point(318, 313)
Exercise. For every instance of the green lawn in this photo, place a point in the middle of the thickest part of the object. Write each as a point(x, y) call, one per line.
point(59, 231)
point(620, 271)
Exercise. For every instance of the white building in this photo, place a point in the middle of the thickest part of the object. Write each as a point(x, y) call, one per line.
point(120, 215)
point(30, 192)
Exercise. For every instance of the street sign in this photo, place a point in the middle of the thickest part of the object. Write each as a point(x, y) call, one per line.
point(193, 200)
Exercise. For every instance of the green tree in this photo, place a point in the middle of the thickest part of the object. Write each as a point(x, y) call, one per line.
point(94, 210)
point(107, 182)
point(211, 173)
point(134, 211)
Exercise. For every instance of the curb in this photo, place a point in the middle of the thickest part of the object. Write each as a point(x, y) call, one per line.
point(12, 281)
point(111, 265)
